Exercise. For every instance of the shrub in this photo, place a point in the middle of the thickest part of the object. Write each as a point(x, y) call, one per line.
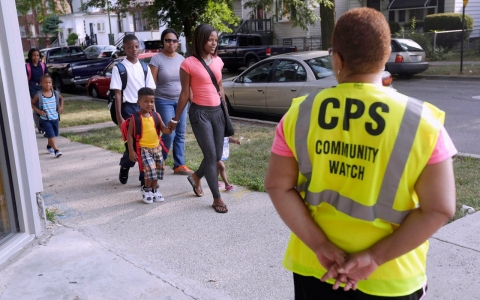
point(414, 25)
point(447, 22)
point(72, 38)
point(394, 27)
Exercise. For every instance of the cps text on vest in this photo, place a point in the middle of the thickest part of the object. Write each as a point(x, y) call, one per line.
point(354, 109)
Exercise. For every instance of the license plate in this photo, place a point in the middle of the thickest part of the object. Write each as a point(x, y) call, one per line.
point(415, 58)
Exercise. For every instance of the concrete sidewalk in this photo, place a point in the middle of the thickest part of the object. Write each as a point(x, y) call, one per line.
point(110, 245)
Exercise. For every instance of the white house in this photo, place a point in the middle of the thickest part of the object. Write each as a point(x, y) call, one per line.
point(98, 23)
point(399, 11)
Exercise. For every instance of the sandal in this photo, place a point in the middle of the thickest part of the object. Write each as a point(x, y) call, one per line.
point(229, 187)
point(195, 188)
point(221, 209)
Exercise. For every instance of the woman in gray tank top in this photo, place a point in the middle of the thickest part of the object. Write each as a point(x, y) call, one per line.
point(165, 68)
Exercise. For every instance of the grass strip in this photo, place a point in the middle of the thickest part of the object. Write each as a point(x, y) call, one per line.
point(83, 112)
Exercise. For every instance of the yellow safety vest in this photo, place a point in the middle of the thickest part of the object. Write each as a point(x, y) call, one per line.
point(360, 149)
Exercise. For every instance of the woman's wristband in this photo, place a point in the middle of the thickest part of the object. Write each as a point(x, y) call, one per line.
point(173, 121)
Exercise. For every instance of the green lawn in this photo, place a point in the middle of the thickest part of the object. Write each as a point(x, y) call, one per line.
point(81, 112)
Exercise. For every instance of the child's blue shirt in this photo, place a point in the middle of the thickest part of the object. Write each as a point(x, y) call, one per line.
point(50, 106)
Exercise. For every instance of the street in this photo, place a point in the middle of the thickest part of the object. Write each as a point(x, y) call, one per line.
point(459, 99)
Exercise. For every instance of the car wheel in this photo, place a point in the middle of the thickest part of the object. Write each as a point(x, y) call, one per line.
point(94, 93)
point(57, 84)
point(251, 62)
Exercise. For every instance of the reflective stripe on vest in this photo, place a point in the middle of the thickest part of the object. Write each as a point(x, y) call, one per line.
point(383, 208)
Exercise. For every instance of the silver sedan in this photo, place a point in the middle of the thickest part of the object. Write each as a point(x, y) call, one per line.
point(269, 86)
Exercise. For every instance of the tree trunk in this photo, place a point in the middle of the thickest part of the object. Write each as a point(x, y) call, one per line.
point(327, 23)
point(187, 30)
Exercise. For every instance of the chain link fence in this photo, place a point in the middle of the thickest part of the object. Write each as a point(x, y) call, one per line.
point(302, 43)
point(439, 45)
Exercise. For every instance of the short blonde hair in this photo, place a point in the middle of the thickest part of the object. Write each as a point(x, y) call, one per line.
point(362, 38)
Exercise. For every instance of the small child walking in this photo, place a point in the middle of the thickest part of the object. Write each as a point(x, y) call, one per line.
point(221, 165)
point(148, 145)
point(46, 105)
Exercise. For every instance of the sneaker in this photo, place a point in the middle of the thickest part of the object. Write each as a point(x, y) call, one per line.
point(157, 196)
point(50, 150)
point(147, 195)
point(58, 153)
point(123, 175)
point(182, 170)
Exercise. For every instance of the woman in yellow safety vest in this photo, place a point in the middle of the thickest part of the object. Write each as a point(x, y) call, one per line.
point(362, 175)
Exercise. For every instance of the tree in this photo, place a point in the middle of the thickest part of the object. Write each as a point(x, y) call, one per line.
point(302, 13)
point(42, 8)
point(327, 23)
point(182, 15)
point(72, 39)
point(50, 25)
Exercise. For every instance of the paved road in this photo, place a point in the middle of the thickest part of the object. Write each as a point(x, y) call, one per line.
point(459, 99)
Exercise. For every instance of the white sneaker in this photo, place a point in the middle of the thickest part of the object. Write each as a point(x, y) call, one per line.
point(147, 197)
point(157, 196)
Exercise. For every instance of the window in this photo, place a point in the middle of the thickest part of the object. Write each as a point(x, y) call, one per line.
point(258, 74)
point(101, 27)
point(289, 71)
point(401, 16)
point(32, 30)
point(242, 41)
point(284, 10)
point(419, 14)
point(140, 22)
point(23, 33)
point(321, 66)
point(391, 16)
point(40, 29)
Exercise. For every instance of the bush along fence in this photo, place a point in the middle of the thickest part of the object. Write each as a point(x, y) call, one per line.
point(440, 43)
point(302, 43)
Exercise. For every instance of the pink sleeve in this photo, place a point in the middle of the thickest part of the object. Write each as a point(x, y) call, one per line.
point(185, 65)
point(280, 146)
point(444, 149)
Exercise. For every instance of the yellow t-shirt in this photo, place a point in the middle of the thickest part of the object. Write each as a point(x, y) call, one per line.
point(149, 133)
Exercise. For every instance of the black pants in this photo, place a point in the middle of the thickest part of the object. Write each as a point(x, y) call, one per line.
point(127, 110)
point(208, 126)
point(311, 288)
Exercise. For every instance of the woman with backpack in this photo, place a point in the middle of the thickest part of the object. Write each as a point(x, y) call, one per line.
point(35, 70)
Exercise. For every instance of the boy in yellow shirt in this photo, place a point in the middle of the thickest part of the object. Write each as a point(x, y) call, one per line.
point(147, 144)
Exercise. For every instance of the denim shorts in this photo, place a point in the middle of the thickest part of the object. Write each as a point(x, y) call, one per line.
point(50, 127)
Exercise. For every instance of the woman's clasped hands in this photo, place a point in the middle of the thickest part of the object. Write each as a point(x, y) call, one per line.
point(347, 269)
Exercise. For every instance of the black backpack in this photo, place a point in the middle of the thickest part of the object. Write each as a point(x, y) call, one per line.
point(123, 76)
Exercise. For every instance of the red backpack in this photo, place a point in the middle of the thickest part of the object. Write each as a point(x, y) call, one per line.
point(137, 130)
point(29, 69)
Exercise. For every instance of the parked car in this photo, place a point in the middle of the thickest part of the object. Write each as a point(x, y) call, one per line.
point(238, 50)
point(153, 46)
point(407, 58)
point(69, 66)
point(269, 86)
point(98, 85)
point(95, 51)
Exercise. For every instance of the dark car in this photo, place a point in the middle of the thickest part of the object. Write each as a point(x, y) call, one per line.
point(153, 46)
point(95, 51)
point(407, 58)
point(238, 50)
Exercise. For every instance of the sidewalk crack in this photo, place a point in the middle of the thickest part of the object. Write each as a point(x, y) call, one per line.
point(461, 246)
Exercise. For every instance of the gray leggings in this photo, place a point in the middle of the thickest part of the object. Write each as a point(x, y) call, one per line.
point(208, 125)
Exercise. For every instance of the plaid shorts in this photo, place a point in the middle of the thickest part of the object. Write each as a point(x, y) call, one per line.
point(152, 161)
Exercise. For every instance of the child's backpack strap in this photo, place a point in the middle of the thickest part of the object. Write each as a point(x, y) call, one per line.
point(57, 97)
point(43, 67)
point(123, 75)
point(145, 70)
point(137, 129)
point(40, 100)
point(29, 71)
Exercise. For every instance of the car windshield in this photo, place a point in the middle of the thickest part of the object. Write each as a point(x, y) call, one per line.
point(157, 44)
point(321, 66)
point(409, 45)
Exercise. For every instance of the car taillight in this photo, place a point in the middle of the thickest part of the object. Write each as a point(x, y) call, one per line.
point(398, 58)
point(387, 80)
point(268, 52)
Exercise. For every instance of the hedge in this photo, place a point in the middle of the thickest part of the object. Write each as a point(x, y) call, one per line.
point(447, 22)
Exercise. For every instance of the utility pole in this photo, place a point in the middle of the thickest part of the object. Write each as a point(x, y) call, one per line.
point(110, 35)
point(463, 30)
